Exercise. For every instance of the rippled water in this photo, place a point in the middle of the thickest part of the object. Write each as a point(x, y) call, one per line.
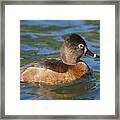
point(43, 39)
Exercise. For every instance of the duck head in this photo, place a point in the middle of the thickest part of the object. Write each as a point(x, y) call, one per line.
point(74, 47)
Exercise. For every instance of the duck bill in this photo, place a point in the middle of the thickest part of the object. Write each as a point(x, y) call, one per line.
point(88, 52)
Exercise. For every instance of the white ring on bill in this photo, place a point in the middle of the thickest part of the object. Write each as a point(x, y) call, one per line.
point(95, 55)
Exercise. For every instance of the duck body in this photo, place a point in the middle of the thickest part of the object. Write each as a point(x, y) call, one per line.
point(53, 72)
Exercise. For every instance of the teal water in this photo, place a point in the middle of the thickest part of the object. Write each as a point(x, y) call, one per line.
point(43, 39)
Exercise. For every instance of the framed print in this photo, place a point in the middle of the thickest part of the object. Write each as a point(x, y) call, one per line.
point(60, 60)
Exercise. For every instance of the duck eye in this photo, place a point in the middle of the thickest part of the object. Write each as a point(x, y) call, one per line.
point(81, 46)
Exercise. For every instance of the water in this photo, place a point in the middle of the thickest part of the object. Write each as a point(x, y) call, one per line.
point(43, 39)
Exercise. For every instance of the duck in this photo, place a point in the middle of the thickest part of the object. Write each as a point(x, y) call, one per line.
point(54, 71)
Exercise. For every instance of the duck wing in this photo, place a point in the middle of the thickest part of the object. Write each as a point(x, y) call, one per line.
point(48, 63)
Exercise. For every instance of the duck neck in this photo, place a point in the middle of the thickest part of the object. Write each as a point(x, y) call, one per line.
point(68, 56)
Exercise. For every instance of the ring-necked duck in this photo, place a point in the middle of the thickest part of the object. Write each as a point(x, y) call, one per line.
point(54, 71)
